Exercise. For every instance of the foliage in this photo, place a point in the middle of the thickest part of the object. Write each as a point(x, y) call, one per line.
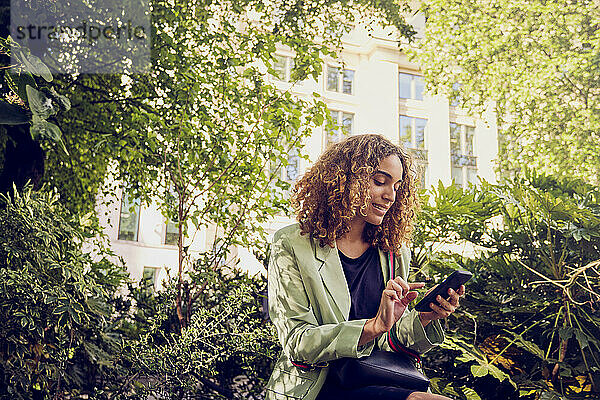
point(28, 111)
point(210, 131)
point(58, 325)
point(207, 91)
point(206, 131)
point(226, 351)
point(537, 61)
point(533, 245)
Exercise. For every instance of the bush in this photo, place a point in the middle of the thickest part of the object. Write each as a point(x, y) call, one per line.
point(531, 316)
point(58, 321)
point(227, 351)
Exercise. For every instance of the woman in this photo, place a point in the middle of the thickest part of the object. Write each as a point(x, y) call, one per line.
point(329, 291)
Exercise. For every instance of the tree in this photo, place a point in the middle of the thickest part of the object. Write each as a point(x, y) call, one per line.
point(205, 131)
point(537, 61)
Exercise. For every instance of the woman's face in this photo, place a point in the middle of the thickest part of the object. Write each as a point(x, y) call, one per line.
point(382, 187)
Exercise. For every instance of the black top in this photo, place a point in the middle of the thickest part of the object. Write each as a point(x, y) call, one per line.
point(365, 282)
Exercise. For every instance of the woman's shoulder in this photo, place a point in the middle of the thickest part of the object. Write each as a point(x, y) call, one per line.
point(291, 234)
point(288, 231)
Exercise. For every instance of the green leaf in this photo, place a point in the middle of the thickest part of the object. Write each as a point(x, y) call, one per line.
point(34, 65)
point(39, 104)
point(42, 129)
point(22, 80)
point(479, 370)
point(470, 394)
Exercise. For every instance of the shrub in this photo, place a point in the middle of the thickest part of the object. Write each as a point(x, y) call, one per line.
point(58, 326)
point(227, 350)
point(531, 316)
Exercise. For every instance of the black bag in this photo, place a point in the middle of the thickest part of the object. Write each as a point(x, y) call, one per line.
point(381, 368)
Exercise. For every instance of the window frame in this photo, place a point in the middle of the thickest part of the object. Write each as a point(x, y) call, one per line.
point(155, 273)
point(420, 154)
point(340, 135)
point(167, 221)
point(413, 127)
point(289, 65)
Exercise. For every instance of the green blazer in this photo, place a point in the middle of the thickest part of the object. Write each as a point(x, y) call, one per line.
point(309, 303)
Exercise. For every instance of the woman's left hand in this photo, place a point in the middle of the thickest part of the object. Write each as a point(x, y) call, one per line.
point(444, 307)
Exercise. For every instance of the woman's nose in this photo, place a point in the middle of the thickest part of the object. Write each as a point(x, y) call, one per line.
point(389, 193)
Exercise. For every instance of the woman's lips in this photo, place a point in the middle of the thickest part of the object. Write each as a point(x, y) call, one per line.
point(380, 209)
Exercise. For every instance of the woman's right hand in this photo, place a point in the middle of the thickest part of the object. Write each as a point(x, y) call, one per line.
point(395, 298)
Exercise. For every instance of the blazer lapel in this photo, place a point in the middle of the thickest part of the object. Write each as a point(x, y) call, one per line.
point(333, 277)
point(385, 266)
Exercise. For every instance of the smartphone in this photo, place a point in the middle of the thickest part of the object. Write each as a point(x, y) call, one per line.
point(453, 281)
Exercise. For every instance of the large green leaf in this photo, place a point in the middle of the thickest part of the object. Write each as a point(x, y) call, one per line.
point(34, 65)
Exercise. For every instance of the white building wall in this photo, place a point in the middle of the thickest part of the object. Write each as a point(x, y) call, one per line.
point(438, 140)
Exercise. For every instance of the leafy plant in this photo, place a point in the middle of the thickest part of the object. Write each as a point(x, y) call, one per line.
point(533, 245)
point(226, 351)
point(58, 315)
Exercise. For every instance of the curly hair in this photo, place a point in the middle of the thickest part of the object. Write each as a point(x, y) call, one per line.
point(329, 194)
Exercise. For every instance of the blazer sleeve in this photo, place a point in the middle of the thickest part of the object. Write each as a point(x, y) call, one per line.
point(302, 337)
point(409, 330)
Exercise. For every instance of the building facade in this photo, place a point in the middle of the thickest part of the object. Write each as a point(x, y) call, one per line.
point(372, 88)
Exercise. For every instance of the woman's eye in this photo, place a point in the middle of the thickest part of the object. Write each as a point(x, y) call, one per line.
point(379, 183)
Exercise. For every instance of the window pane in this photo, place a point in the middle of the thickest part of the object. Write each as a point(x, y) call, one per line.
point(333, 134)
point(457, 175)
point(333, 74)
point(293, 165)
point(149, 278)
point(347, 81)
point(172, 233)
point(420, 125)
point(470, 140)
point(455, 138)
point(406, 131)
point(129, 218)
point(404, 81)
point(419, 87)
point(279, 67)
point(472, 175)
point(347, 123)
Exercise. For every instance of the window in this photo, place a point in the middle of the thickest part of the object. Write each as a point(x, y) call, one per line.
point(288, 171)
point(171, 233)
point(282, 68)
point(462, 154)
point(412, 137)
point(292, 169)
point(149, 278)
point(410, 86)
point(412, 132)
point(129, 217)
point(343, 126)
point(340, 80)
